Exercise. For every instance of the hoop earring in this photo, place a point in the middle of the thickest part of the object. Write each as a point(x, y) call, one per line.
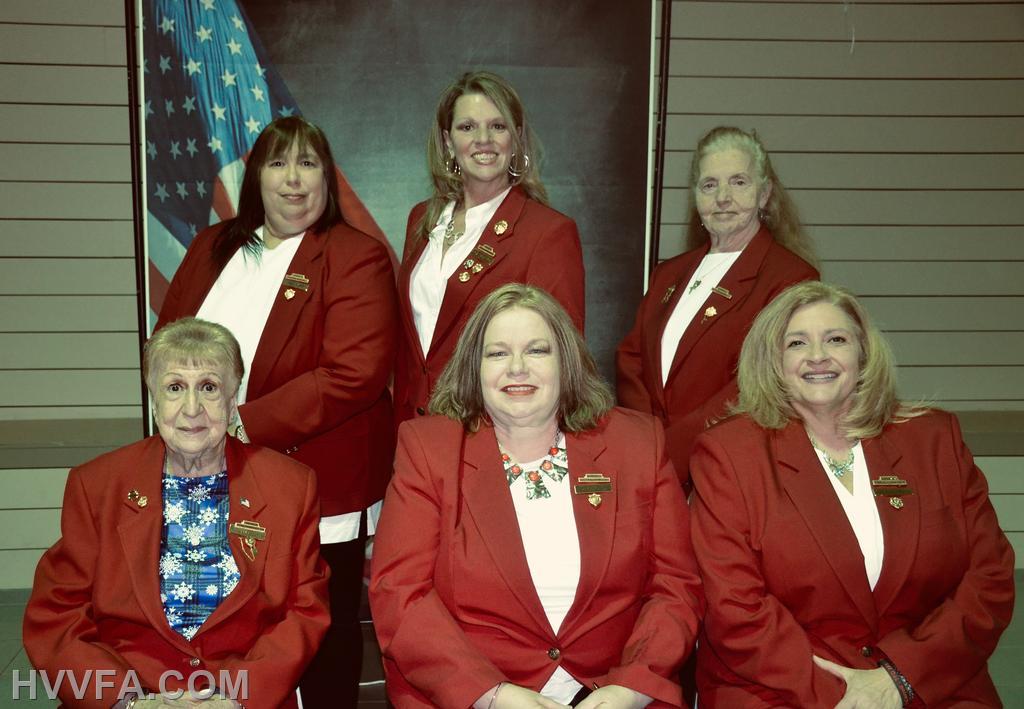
point(517, 172)
point(452, 165)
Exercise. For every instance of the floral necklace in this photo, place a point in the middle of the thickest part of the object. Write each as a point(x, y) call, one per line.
point(554, 465)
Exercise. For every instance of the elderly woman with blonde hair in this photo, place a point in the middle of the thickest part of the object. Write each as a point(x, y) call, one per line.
point(534, 549)
point(849, 550)
point(185, 559)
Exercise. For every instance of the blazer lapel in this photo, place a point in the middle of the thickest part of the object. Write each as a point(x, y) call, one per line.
point(595, 526)
point(900, 526)
point(485, 490)
point(666, 306)
point(242, 489)
point(814, 498)
point(404, 284)
point(497, 236)
point(285, 312)
point(738, 282)
point(140, 531)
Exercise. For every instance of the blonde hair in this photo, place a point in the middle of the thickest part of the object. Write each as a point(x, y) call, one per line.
point(192, 341)
point(447, 183)
point(764, 395)
point(779, 214)
point(584, 397)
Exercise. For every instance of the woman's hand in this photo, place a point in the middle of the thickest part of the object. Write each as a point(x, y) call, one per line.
point(614, 696)
point(865, 689)
point(512, 696)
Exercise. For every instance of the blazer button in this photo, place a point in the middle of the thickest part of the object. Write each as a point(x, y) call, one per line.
point(554, 653)
point(867, 651)
point(194, 662)
point(421, 411)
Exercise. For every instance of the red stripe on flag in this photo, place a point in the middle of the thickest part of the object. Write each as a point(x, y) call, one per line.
point(158, 286)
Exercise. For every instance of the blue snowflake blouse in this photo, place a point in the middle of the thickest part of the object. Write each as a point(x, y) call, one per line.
point(197, 568)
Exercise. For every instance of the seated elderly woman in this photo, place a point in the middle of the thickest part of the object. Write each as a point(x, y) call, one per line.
point(849, 550)
point(534, 546)
point(186, 557)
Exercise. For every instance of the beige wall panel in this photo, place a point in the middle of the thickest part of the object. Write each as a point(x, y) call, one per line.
point(60, 413)
point(72, 12)
point(946, 312)
point(953, 348)
point(75, 313)
point(92, 163)
point(23, 488)
point(986, 406)
point(74, 200)
point(49, 44)
point(873, 134)
point(69, 350)
point(962, 383)
point(910, 60)
point(67, 276)
point(838, 20)
point(29, 529)
point(853, 97)
point(877, 170)
point(1010, 512)
point(930, 278)
point(911, 207)
point(64, 84)
point(18, 567)
point(927, 243)
point(1005, 474)
point(1017, 542)
point(69, 238)
point(83, 387)
point(65, 124)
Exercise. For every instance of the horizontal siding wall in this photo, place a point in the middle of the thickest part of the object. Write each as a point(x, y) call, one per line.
point(899, 130)
point(69, 363)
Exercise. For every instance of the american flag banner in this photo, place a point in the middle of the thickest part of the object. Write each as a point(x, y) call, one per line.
point(209, 89)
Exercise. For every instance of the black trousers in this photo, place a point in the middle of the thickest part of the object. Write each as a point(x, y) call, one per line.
point(332, 680)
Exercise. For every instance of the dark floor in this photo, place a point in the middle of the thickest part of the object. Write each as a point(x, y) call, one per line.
point(1007, 665)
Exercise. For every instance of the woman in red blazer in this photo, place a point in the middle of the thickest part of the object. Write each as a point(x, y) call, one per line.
point(533, 550)
point(313, 304)
point(487, 223)
point(185, 558)
point(747, 245)
point(847, 543)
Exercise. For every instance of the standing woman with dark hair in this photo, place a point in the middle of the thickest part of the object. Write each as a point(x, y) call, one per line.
point(745, 246)
point(312, 303)
point(487, 223)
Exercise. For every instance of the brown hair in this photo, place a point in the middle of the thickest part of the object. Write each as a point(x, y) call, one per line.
point(779, 214)
point(584, 396)
point(192, 341)
point(276, 140)
point(447, 183)
point(764, 395)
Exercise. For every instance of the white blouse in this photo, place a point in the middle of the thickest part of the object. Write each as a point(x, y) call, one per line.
point(709, 273)
point(862, 512)
point(430, 275)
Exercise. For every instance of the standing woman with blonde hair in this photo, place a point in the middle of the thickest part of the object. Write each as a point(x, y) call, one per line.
point(487, 223)
point(746, 245)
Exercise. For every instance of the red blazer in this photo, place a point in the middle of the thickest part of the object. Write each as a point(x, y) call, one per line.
point(703, 375)
point(453, 603)
point(96, 605)
point(539, 246)
point(318, 383)
point(785, 576)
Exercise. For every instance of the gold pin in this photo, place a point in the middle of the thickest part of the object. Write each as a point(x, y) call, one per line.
point(244, 502)
point(594, 499)
point(289, 294)
point(724, 292)
point(501, 227)
point(297, 280)
point(250, 532)
point(477, 267)
point(143, 501)
point(708, 314)
point(133, 495)
point(468, 263)
point(668, 294)
point(464, 276)
point(896, 502)
point(592, 485)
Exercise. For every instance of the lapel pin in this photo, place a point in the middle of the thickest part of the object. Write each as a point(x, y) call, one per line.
point(896, 502)
point(592, 485)
point(289, 293)
point(140, 500)
point(668, 294)
point(244, 502)
point(708, 314)
point(890, 486)
point(594, 499)
point(501, 227)
point(250, 532)
point(464, 276)
point(297, 280)
point(724, 292)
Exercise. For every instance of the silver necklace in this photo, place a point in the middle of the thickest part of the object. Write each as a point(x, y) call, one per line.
point(838, 468)
point(450, 235)
point(700, 278)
